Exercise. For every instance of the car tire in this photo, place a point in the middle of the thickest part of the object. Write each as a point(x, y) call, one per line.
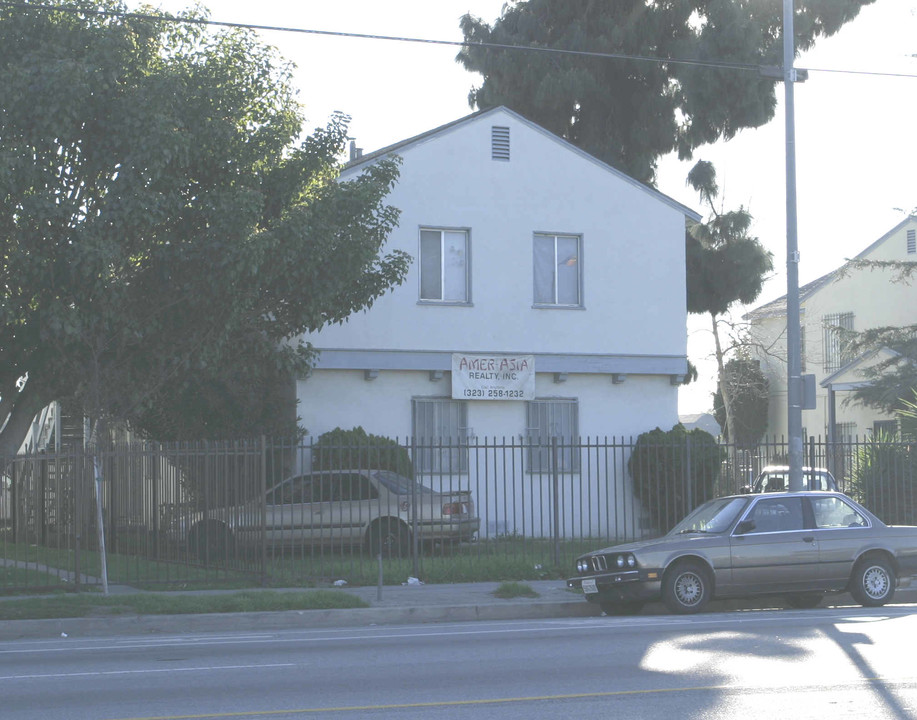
point(687, 587)
point(872, 583)
point(389, 538)
point(631, 607)
point(804, 601)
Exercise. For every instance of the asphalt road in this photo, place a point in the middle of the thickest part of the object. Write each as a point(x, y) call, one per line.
point(825, 663)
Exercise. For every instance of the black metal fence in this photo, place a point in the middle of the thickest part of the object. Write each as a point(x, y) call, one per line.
point(206, 513)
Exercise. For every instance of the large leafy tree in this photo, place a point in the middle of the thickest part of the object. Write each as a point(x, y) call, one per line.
point(725, 266)
point(630, 112)
point(165, 233)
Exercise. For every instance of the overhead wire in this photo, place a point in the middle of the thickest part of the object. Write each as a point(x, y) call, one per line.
point(190, 20)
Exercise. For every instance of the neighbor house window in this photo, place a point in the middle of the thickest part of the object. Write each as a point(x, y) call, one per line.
point(835, 327)
point(845, 432)
point(440, 435)
point(885, 428)
point(558, 270)
point(444, 265)
point(552, 423)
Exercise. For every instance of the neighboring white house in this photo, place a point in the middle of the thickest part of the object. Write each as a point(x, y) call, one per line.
point(546, 298)
point(701, 421)
point(847, 298)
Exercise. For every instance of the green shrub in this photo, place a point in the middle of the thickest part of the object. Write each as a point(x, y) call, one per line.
point(355, 449)
point(673, 472)
point(884, 479)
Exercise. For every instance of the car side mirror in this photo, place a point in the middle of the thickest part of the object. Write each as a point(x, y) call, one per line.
point(746, 526)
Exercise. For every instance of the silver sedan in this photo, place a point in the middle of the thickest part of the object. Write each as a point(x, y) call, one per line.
point(801, 545)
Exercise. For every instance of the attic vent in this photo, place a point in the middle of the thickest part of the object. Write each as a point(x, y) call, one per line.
point(911, 242)
point(499, 143)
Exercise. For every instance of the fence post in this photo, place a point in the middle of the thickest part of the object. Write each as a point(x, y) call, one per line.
point(555, 476)
point(154, 494)
point(415, 541)
point(262, 494)
point(689, 484)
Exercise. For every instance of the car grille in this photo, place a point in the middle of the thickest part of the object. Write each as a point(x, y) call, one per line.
point(598, 563)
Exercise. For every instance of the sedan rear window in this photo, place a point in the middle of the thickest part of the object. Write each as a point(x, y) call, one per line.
point(399, 484)
point(832, 512)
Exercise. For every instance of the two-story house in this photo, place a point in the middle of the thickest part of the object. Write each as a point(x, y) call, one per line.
point(546, 299)
point(849, 298)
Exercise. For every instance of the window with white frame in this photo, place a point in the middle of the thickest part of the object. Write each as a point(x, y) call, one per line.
point(552, 423)
point(558, 270)
point(835, 328)
point(440, 435)
point(444, 265)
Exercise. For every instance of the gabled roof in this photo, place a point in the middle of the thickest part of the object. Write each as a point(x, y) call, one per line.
point(777, 307)
point(849, 378)
point(402, 145)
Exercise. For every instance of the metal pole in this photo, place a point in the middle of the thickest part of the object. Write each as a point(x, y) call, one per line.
point(555, 478)
point(793, 352)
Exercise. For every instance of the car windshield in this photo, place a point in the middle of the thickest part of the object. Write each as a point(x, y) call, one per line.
point(715, 516)
point(399, 484)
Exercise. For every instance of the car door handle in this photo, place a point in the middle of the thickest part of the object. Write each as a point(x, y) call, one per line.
point(809, 539)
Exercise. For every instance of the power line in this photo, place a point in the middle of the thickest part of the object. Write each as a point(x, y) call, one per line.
point(397, 38)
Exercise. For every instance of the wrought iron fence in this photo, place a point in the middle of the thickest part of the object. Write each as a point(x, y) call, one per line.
point(280, 512)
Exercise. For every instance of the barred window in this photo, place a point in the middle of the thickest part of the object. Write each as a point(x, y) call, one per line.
point(835, 326)
point(845, 432)
point(548, 419)
point(440, 435)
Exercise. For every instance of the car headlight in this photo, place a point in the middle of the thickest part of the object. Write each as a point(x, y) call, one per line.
point(620, 561)
point(582, 566)
point(631, 561)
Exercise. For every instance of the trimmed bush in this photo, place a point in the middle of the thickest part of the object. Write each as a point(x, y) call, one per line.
point(356, 449)
point(674, 472)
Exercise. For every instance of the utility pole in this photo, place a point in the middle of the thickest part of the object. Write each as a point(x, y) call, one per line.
point(793, 352)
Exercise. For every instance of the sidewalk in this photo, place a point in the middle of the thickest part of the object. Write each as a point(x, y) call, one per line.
point(399, 604)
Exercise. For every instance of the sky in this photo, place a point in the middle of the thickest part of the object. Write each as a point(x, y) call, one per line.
point(856, 150)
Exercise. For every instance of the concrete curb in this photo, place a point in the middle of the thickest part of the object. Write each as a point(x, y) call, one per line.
point(287, 620)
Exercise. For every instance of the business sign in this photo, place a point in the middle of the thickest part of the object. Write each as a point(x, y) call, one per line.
point(493, 377)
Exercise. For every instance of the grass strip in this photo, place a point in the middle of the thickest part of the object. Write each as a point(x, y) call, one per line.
point(510, 590)
point(75, 606)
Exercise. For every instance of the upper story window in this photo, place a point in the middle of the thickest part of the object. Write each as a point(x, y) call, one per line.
point(558, 270)
point(444, 265)
point(911, 242)
point(835, 327)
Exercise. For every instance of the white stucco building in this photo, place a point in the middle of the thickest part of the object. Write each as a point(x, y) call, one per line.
point(850, 298)
point(525, 248)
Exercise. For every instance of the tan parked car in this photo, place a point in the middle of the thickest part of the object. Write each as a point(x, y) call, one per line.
point(374, 509)
point(800, 545)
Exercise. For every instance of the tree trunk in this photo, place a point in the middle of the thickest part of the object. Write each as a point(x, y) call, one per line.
point(725, 388)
